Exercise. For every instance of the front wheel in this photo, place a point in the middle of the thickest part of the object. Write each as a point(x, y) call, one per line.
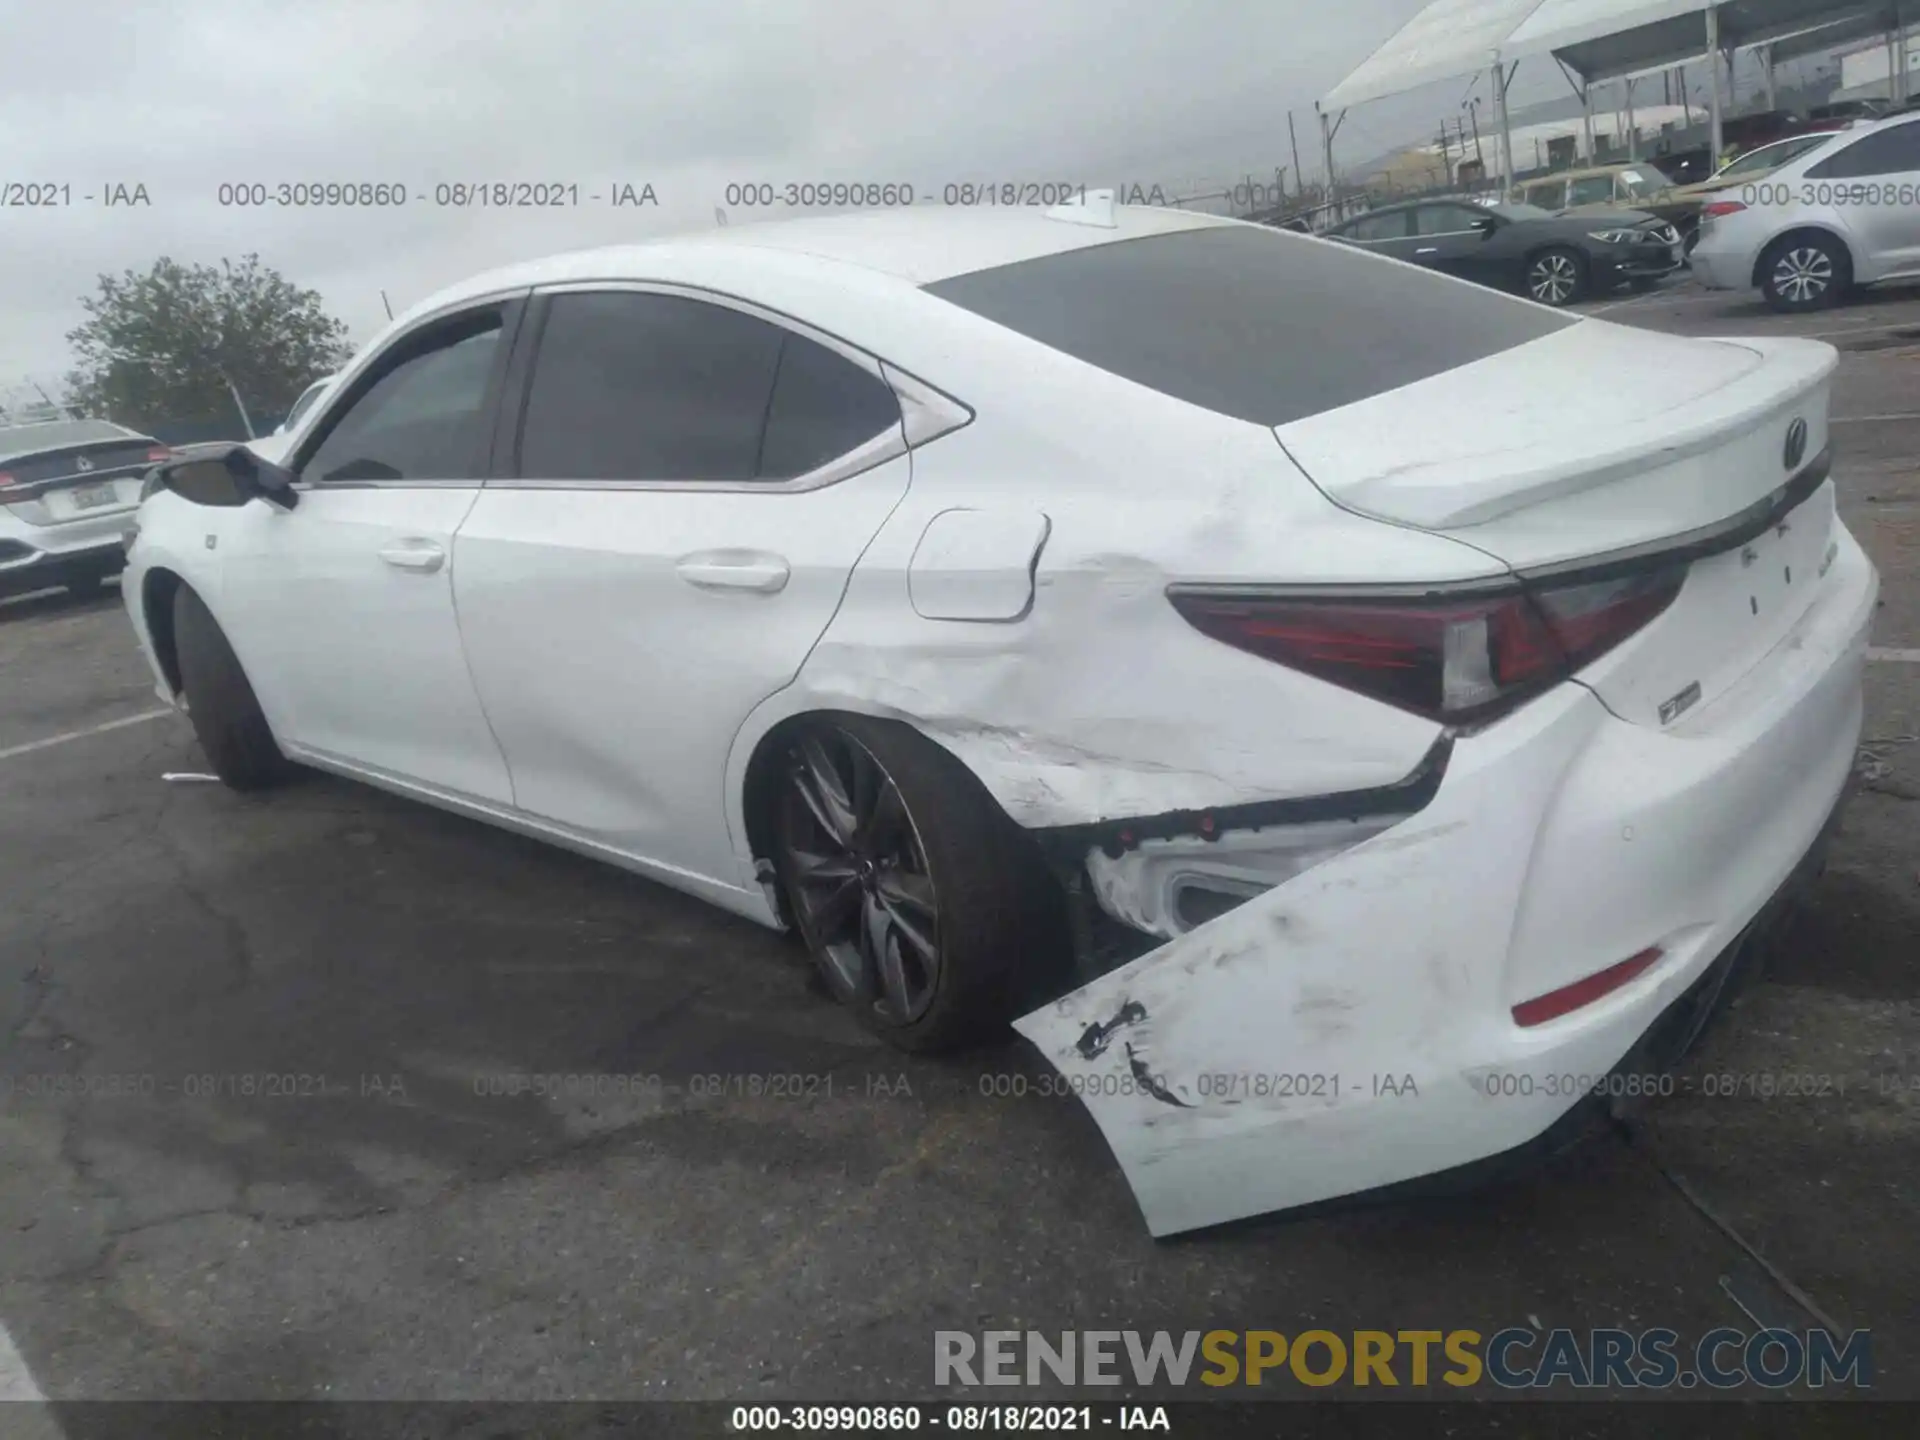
point(1803, 273)
point(1557, 277)
point(927, 911)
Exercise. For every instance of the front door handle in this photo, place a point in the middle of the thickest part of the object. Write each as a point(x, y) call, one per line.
point(753, 570)
point(414, 553)
point(1428, 250)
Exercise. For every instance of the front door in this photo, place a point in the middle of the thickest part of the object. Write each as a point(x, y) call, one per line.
point(341, 609)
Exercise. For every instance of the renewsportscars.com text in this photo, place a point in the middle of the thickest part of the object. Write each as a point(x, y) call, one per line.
point(1516, 1358)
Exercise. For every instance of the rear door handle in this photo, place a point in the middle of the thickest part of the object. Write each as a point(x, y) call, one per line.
point(753, 570)
point(1428, 250)
point(414, 553)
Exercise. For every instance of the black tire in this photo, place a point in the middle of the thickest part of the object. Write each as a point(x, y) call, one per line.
point(1802, 273)
point(950, 864)
point(220, 702)
point(1557, 276)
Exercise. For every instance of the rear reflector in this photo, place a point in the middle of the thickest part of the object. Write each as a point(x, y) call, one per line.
point(1569, 998)
point(158, 453)
point(1450, 658)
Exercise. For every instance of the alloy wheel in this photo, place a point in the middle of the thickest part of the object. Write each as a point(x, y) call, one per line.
point(1802, 275)
point(1553, 279)
point(857, 876)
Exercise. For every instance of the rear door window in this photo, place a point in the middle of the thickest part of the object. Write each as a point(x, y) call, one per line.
point(1892, 151)
point(1250, 322)
point(634, 385)
point(1591, 190)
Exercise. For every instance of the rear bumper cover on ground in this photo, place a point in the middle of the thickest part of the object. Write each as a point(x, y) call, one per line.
point(1352, 1028)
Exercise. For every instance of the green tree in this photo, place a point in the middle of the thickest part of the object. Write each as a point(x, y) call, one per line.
point(179, 342)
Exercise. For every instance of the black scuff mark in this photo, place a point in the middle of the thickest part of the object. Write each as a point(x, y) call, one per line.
point(1094, 1040)
point(1152, 1083)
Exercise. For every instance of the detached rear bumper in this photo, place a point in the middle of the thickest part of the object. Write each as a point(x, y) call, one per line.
point(1354, 1027)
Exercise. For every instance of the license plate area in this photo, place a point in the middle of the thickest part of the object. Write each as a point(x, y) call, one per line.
point(101, 495)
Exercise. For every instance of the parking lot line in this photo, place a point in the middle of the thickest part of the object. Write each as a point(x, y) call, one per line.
point(1893, 657)
point(100, 729)
point(1894, 419)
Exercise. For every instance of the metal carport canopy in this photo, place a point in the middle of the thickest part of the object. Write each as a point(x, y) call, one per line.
point(1599, 39)
point(1610, 39)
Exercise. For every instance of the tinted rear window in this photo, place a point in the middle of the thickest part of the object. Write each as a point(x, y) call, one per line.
point(1251, 322)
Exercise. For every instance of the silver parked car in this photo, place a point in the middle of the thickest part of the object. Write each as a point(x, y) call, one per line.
point(68, 490)
point(1845, 214)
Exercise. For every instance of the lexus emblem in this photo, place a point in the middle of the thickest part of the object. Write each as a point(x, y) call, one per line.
point(82, 464)
point(1796, 444)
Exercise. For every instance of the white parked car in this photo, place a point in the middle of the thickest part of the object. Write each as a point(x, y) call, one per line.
point(68, 489)
point(1846, 213)
point(964, 589)
point(274, 446)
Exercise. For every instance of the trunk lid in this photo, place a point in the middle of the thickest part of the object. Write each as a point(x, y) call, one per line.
point(50, 486)
point(1601, 444)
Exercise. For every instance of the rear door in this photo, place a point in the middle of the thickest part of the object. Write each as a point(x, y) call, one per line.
point(1389, 232)
point(674, 522)
point(1875, 183)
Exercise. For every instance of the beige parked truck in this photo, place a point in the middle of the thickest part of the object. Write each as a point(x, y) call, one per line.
point(1614, 187)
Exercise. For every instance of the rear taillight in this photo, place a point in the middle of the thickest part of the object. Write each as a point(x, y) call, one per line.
point(158, 453)
point(1721, 207)
point(1448, 658)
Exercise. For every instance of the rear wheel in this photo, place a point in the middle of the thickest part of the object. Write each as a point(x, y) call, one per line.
point(1557, 277)
point(220, 702)
point(928, 912)
point(1802, 273)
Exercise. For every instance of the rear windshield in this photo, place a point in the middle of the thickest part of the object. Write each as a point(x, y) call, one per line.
point(1248, 321)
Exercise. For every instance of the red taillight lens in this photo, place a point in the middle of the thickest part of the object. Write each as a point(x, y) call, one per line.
point(1721, 207)
point(158, 453)
point(1584, 991)
point(1446, 658)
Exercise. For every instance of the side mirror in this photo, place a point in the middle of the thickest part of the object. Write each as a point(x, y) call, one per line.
point(225, 476)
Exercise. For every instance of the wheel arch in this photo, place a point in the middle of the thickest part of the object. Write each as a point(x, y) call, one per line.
point(1824, 232)
point(157, 590)
point(757, 789)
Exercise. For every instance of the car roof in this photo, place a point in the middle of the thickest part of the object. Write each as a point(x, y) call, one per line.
point(39, 435)
point(917, 245)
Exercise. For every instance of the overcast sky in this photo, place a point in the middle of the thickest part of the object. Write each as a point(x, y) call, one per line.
point(186, 96)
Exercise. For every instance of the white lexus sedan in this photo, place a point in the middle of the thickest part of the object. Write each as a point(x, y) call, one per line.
point(1102, 610)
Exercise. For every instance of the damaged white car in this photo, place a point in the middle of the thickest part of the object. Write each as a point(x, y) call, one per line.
point(1105, 609)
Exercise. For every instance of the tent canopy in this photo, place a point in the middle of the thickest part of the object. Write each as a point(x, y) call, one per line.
point(1597, 39)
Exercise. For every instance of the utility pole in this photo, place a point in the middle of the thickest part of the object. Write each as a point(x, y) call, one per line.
point(1717, 130)
point(1299, 175)
point(1328, 128)
point(1633, 130)
point(1473, 111)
